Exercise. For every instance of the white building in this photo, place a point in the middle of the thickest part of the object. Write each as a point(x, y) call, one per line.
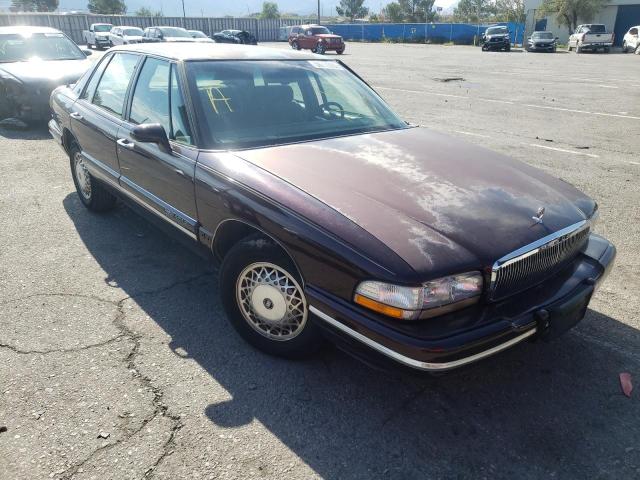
point(617, 15)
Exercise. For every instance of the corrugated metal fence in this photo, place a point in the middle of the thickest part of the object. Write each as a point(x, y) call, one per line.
point(459, 33)
point(73, 25)
point(267, 30)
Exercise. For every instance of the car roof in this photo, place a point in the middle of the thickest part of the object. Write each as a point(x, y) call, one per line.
point(27, 30)
point(215, 51)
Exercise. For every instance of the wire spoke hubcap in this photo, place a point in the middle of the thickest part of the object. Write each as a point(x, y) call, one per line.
point(271, 301)
point(82, 176)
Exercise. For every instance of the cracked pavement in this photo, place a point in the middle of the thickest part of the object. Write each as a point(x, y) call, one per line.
point(116, 360)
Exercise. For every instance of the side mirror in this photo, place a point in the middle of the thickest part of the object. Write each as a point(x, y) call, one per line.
point(557, 38)
point(151, 133)
point(87, 53)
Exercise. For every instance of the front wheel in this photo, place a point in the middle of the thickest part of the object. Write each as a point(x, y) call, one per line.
point(295, 45)
point(578, 48)
point(624, 47)
point(321, 49)
point(508, 48)
point(606, 50)
point(92, 193)
point(262, 294)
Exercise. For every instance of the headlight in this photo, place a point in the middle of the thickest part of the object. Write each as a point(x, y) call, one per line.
point(433, 298)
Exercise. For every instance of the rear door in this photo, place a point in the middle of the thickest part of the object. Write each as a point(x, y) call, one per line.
point(162, 179)
point(97, 115)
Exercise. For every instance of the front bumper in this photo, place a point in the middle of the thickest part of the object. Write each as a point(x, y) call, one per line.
point(460, 338)
point(542, 48)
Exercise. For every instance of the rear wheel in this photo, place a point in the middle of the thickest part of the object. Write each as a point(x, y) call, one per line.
point(340, 52)
point(92, 193)
point(263, 297)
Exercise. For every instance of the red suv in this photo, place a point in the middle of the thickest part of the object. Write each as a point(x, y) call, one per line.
point(316, 38)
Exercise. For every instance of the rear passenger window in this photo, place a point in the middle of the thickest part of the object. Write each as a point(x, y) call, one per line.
point(95, 78)
point(150, 102)
point(112, 88)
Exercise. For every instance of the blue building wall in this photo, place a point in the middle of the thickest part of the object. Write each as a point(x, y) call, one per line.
point(459, 33)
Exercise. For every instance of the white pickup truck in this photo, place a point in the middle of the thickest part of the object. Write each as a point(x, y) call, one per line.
point(592, 36)
point(97, 35)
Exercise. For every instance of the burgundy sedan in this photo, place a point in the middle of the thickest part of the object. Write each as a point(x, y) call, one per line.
point(332, 217)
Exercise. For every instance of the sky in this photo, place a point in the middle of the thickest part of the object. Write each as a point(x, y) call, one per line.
point(233, 7)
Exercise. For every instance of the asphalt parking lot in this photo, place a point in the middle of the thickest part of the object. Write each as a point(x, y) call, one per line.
point(116, 360)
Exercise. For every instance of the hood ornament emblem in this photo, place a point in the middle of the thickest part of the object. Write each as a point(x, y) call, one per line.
point(537, 218)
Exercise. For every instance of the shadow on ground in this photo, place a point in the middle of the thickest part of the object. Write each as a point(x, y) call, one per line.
point(535, 411)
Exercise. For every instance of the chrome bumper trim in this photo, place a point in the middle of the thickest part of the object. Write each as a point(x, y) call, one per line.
point(426, 366)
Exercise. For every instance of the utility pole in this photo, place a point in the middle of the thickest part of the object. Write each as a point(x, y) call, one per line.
point(184, 15)
point(318, 12)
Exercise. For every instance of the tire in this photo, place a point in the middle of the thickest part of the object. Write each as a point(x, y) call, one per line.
point(624, 47)
point(578, 48)
point(606, 50)
point(295, 45)
point(340, 52)
point(637, 51)
point(92, 193)
point(257, 280)
point(484, 48)
point(508, 48)
point(568, 48)
point(321, 49)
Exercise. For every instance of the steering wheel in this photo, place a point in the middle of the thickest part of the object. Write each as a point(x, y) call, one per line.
point(337, 108)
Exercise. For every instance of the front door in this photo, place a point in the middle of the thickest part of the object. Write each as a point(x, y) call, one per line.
point(161, 178)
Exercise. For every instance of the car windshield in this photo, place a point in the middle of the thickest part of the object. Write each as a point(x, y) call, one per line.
point(102, 28)
point(497, 30)
point(196, 34)
point(175, 32)
point(133, 32)
point(544, 35)
point(320, 30)
point(39, 46)
point(596, 28)
point(243, 104)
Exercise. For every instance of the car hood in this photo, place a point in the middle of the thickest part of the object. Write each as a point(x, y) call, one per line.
point(135, 38)
point(438, 202)
point(52, 73)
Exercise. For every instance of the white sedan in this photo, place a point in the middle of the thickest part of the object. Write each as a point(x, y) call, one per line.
point(125, 35)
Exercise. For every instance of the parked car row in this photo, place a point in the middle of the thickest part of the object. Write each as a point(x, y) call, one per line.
point(106, 35)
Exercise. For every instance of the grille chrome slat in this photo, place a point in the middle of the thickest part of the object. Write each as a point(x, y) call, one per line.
point(534, 263)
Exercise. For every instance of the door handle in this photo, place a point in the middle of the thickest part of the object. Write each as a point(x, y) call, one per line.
point(179, 172)
point(123, 142)
point(75, 115)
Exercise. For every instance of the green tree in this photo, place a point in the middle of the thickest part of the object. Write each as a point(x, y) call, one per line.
point(474, 11)
point(417, 10)
point(569, 12)
point(270, 10)
point(393, 13)
point(147, 12)
point(107, 7)
point(510, 11)
point(34, 5)
point(352, 9)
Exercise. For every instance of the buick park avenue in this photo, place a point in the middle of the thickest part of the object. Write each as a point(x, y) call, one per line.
point(330, 216)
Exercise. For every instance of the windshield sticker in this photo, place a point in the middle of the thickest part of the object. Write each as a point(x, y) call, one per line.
point(325, 64)
point(215, 95)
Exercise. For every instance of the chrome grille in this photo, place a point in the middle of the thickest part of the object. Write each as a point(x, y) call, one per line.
point(534, 263)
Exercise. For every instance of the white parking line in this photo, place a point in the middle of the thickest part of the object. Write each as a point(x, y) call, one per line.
point(509, 102)
point(571, 110)
point(472, 134)
point(633, 163)
point(563, 150)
